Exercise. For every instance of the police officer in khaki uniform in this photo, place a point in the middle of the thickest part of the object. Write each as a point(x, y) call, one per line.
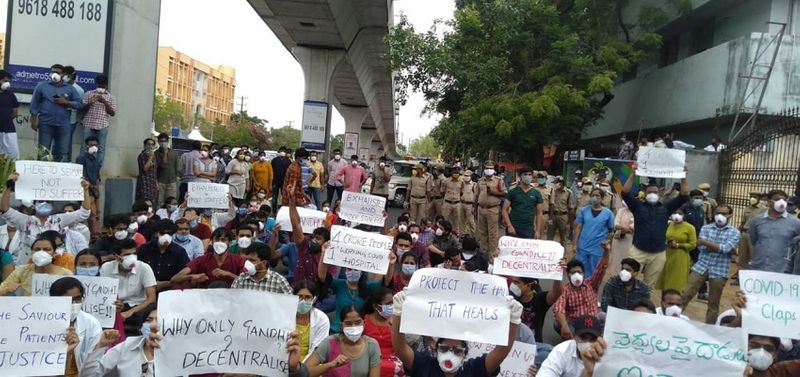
point(709, 203)
point(745, 249)
point(563, 211)
point(584, 198)
point(435, 207)
point(608, 198)
point(418, 196)
point(451, 190)
point(490, 191)
point(467, 213)
point(547, 198)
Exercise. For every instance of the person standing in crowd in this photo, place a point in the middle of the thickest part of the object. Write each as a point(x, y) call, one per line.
point(490, 191)
point(593, 229)
point(380, 179)
point(353, 176)
point(467, 208)
point(147, 181)
point(546, 195)
point(681, 239)
point(745, 248)
point(563, 211)
point(186, 169)
point(716, 243)
point(167, 169)
point(625, 290)
point(165, 257)
point(220, 265)
point(418, 196)
point(51, 105)
point(451, 190)
point(580, 297)
point(257, 275)
point(205, 168)
point(649, 237)
point(623, 230)
point(262, 175)
point(315, 186)
point(9, 109)
point(100, 105)
point(334, 186)
point(44, 250)
point(293, 181)
point(91, 173)
point(523, 209)
point(583, 197)
point(435, 203)
point(279, 166)
point(771, 235)
point(238, 177)
point(69, 78)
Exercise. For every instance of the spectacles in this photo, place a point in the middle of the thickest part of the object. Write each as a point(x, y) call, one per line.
point(305, 297)
point(766, 347)
point(458, 351)
point(353, 323)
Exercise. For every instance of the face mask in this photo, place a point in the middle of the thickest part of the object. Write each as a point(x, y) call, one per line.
point(402, 228)
point(193, 223)
point(720, 219)
point(87, 271)
point(353, 333)
point(181, 237)
point(73, 312)
point(587, 188)
point(467, 256)
point(244, 242)
point(5, 86)
point(401, 251)
point(262, 158)
point(382, 164)
point(92, 150)
point(673, 311)
point(576, 279)
point(705, 193)
point(354, 163)
point(262, 195)
point(697, 202)
point(240, 157)
point(595, 200)
point(100, 90)
point(129, 261)
point(779, 206)
point(353, 276)
point(651, 198)
point(579, 184)
point(172, 207)
point(241, 211)
point(753, 202)
point(314, 247)
point(163, 144)
point(326, 209)
point(527, 179)
point(337, 157)
point(44, 208)
point(226, 151)
point(414, 237)
point(449, 362)
point(55, 77)
point(313, 158)
point(141, 219)
point(488, 172)
point(677, 217)
point(386, 311)
point(42, 258)
point(67, 79)
point(249, 268)
point(541, 181)
point(145, 329)
point(216, 158)
point(164, 239)
point(204, 154)
point(282, 154)
point(625, 276)
point(409, 269)
point(439, 232)
point(304, 306)
point(583, 346)
point(466, 178)
point(759, 359)
point(220, 247)
point(515, 290)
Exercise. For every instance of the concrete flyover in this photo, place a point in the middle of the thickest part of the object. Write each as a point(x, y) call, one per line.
point(339, 44)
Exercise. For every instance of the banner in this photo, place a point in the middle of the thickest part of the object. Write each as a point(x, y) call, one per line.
point(661, 162)
point(362, 208)
point(516, 364)
point(359, 250)
point(33, 337)
point(224, 331)
point(42, 180)
point(772, 303)
point(457, 305)
point(616, 172)
point(309, 219)
point(529, 258)
point(644, 344)
point(208, 195)
point(316, 116)
point(98, 300)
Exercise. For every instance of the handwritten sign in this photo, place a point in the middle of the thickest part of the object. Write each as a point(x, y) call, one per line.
point(516, 364)
point(644, 344)
point(661, 162)
point(41, 180)
point(457, 305)
point(772, 303)
point(362, 208)
point(359, 250)
point(101, 292)
point(224, 331)
point(33, 335)
point(208, 195)
point(529, 258)
point(309, 219)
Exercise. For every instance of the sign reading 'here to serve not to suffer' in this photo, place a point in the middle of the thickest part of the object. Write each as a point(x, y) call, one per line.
point(208, 195)
point(358, 250)
point(362, 208)
point(660, 162)
point(528, 258)
point(42, 180)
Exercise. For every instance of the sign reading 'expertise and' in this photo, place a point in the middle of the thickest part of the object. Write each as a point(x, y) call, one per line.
point(644, 344)
point(457, 305)
point(362, 208)
point(516, 364)
point(359, 250)
point(309, 219)
point(41, 180)
point(244, 331)
point(773, 303)
point(101, 292)
point(529, 258)
point(661, 162)
point(208, 195)
point(33, 335)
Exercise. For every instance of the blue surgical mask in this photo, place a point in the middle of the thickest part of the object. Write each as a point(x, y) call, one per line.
point(595, 200)
point(541, 181)
point(697, 202)
point(87, 271)
point(409, 269)
point(241, 211)
point(181, 237)
point(145, 329)
point(172, 207)
point(386, 311)
point(193, 223)
point(526, 179)
point(353, 276)
point(304, 306)
point(44, 208)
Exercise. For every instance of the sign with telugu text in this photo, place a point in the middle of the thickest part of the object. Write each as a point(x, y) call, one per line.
point(33, 337)
point(644, 344)
point(362, 208)
point(773, 303)
point(457, 305)
point(208, 195)
point(98, 300)
point(309, 219)
point(516, 364)
point(243, 331)
point(42, 180)
point(529, 258)
point(359, 250)
point(660, 162)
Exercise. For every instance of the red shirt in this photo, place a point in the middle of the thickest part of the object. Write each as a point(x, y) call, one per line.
point(206, 264)
point(575, 302)
point(201, 231)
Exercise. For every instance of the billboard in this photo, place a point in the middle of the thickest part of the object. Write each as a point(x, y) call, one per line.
point(316, 116)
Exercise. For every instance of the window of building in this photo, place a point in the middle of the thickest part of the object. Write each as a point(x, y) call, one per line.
point(669, 50)
point(703, 36)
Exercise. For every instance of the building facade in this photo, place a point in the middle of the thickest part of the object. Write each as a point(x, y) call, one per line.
point(202, 89)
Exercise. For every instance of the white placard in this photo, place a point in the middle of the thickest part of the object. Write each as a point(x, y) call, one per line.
point(359, 250)
point(529, 258)
point(98, 300)
point(773, 303)
point(660, 162)
point(516, 364)
point(315, 124)
point(644, 344)
point(457, 305)
point(350, 144)
point(309, 219)
point(224, 331)
point(42, 180)
point(208, 195)
point(33, 335)
point(362, 208)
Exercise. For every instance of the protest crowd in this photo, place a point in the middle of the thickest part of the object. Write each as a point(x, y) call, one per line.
point(460, 285)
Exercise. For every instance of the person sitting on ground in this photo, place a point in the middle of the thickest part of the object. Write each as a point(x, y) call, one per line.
point(566, 360)
point(579, 297)
point(137, 284)
point(44, 250)
point(671, 301)
point(623, 290)
point(644, 306)
point(471, 253)
point(257, 275)
point(217, 264)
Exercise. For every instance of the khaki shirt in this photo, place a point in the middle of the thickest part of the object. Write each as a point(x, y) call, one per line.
point(608, 200)
point(709, 206)
point(562, 201)
point(752, 212)
point(436, 190)
point(468, 193)
point(381, 183)
point(452, 189)
point(419, 186)
point(546, 193)
point(493, 185)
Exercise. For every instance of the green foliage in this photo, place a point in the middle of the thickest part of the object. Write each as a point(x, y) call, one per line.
point(337, 142)
point(167, 113)
point(424, 146)
point(285, 136)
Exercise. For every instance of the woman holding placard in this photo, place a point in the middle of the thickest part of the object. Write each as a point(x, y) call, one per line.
point(44, 250)
point(348, 354)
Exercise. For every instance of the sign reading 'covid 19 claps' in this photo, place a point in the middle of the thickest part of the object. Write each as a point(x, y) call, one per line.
point(660, 162)
point(529, 258)
point(33, 335)
point(359, 250)
point(41, 180)
point(362, 208)
point(457, 305)
point(644, 344)
point(773, 303)
point(224, 331)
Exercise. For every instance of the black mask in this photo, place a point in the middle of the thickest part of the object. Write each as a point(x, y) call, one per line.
point(315, 247)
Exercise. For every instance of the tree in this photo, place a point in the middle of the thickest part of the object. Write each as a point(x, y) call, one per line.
point(285, 136)
point(167, 113)
point(337, 142)
point(514, 75)
point(244, 118)
point(424, 146)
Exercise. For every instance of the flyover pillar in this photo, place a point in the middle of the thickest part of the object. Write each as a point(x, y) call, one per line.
point(365, 149)
point(354, 117)
point(318, 68)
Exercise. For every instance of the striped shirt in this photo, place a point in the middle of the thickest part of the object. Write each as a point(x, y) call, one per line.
point(271, 282)
point(716, 262)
